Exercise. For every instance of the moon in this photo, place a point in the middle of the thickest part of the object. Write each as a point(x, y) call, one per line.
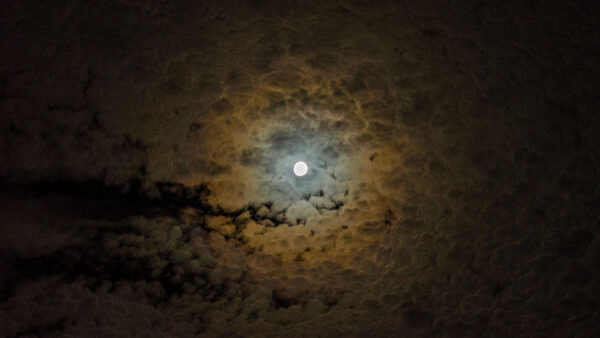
point(300, 168)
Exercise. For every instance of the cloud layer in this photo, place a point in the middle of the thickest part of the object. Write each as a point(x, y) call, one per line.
point(147, 164)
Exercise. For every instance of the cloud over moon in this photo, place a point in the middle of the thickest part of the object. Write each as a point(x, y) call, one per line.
point(147, 153)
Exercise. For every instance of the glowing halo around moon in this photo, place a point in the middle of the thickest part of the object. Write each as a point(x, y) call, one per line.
point(300, 168)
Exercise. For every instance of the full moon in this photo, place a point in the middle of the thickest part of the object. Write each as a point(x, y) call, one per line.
point(300, 168)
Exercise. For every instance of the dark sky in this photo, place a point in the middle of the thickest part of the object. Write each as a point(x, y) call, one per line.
point(147, 147)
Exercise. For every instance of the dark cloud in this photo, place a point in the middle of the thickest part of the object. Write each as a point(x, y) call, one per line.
point(147, 153)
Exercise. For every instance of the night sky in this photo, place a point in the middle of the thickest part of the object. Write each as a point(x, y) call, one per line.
point(147, 152)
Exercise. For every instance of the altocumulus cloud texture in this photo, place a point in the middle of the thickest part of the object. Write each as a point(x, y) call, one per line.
point(146, 166)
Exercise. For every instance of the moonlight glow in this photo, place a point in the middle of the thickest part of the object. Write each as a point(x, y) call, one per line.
point(155, 161)
point(300, 168)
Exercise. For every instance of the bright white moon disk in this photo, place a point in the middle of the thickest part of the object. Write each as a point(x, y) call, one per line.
point(300, 168)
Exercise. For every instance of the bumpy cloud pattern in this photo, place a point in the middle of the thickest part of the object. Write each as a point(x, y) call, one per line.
point(147, 169)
